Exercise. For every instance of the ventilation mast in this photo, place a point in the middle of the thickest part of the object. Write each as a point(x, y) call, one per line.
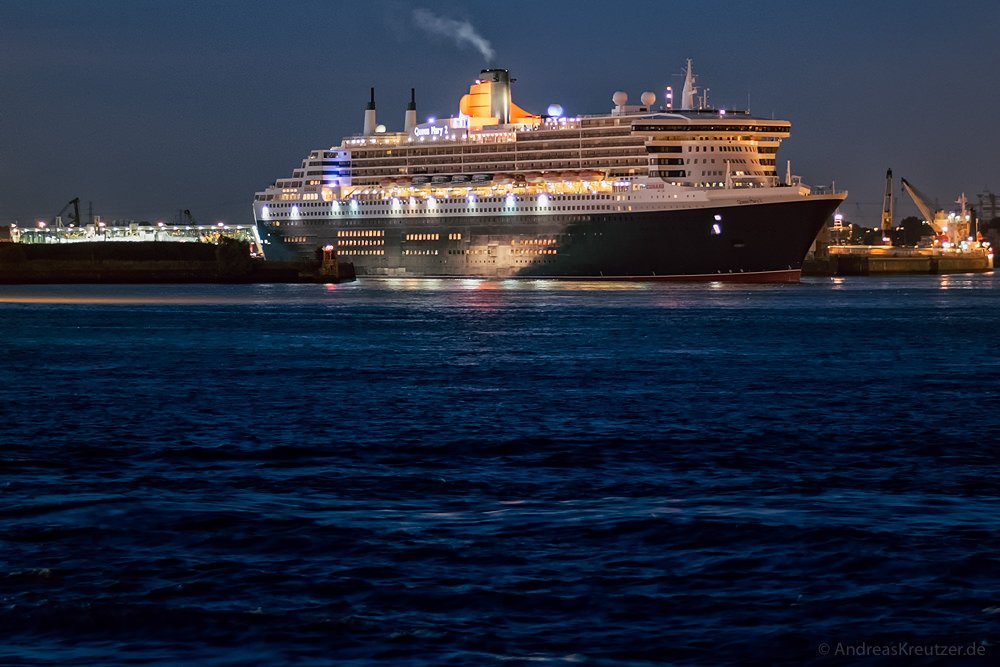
point(410, 119)
point(370, 115)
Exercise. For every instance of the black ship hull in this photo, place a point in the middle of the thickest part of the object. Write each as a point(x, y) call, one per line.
point(750, 242)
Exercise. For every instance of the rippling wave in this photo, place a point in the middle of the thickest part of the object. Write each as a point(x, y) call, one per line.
point(497, 472)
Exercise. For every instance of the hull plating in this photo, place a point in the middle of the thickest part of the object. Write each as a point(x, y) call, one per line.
point(758, 243)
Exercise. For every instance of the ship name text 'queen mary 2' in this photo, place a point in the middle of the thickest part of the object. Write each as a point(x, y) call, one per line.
point(642, 192)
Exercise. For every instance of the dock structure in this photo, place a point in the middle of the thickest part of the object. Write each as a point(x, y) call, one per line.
point(888, 260)
point(136, 233)
point(227, 261)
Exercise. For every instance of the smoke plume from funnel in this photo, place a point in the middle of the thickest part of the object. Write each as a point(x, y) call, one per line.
point(461, 31)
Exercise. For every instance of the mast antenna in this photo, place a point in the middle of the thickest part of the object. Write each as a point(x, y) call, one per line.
point(689, 90)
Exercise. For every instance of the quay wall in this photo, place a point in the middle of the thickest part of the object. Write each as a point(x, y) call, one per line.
point(152, 262)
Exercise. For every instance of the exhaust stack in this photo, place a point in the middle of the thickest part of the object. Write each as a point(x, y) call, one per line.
point(499, 93)
point(370, 115)
point(410, 119)
point(489, 103)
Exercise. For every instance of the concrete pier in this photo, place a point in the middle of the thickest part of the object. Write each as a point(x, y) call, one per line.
point(888, 260)
point(227, 261)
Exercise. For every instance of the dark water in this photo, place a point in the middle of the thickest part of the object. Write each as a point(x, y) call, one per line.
point(477, 473)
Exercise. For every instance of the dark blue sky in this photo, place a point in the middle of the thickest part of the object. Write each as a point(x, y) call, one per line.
point(145, 107)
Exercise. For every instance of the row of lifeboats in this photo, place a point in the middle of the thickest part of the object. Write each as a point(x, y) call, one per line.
point(499, 178)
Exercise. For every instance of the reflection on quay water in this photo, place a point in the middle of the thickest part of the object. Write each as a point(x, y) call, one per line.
point(947, 281)
point(509, 284)
point(377, 290)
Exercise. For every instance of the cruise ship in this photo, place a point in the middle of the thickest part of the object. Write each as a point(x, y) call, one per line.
point(644, 192)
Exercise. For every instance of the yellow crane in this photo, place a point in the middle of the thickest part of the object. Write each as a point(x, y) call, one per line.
point(935, 219)
point(955, 227)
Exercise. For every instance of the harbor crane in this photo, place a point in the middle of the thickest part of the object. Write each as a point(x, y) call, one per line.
point(75, 203)
point(887, 207)
point(185, 217)
point(935, 218)
point(955, 227)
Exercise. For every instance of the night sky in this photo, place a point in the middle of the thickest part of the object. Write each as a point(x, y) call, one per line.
point(148, 107)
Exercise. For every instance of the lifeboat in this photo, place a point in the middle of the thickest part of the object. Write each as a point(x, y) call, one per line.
point(533, 176)
point(592, 175)
point(503, 179)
